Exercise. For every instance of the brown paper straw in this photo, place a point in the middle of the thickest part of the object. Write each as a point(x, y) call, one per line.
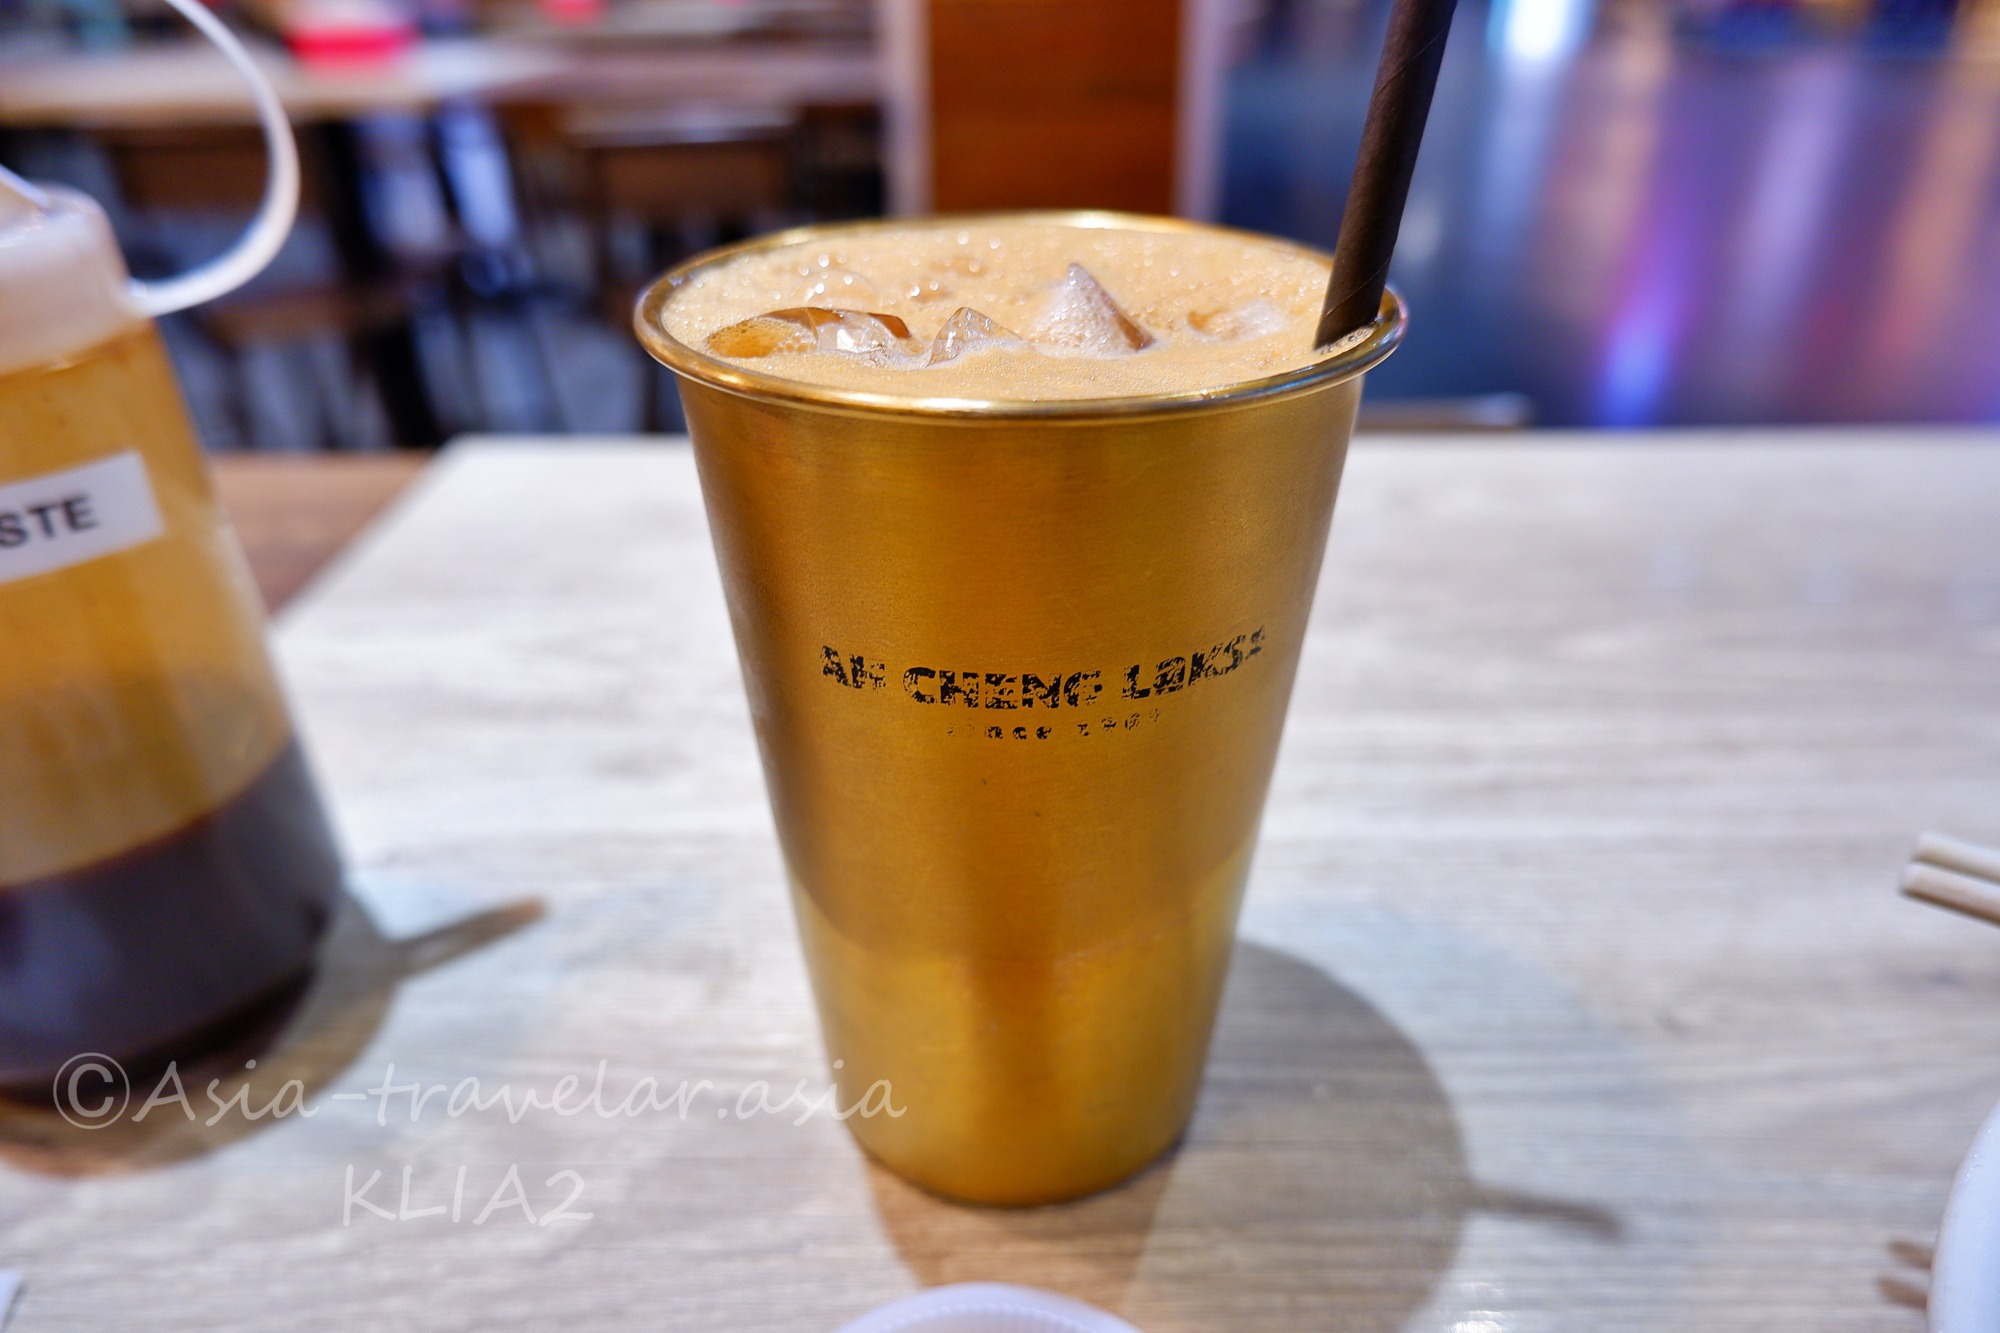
point(1389, 141)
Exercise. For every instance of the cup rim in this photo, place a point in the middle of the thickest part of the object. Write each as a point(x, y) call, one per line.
point(1360, 355)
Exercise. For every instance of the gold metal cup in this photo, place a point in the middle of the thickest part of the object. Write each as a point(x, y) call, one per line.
point(1018, 672)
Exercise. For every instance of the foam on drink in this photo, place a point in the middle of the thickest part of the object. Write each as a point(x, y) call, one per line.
point(1011, 310)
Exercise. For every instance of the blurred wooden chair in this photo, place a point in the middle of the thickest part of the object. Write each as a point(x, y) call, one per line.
point(664, 170)
point(838, 161)
point(220, 169)
point(195, 167)
point(260, 327)
point(651, 183)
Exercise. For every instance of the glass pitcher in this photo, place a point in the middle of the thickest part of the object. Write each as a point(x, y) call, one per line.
point(166, 870)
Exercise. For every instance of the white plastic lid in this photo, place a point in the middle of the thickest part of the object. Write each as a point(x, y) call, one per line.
point(63, 287)
point(988, 1307)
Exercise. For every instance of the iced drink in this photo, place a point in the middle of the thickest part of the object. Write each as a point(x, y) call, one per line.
point(1018, 520)
point(165, 868)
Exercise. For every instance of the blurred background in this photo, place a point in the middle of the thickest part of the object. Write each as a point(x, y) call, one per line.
point(1628, 213)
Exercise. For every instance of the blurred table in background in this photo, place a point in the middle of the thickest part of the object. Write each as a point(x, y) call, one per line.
point(186, 83)
point(190, 83)
point(760, 74)
point(1574, 993)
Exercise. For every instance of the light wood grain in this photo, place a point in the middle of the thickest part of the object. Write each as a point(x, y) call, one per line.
point(1575, 993)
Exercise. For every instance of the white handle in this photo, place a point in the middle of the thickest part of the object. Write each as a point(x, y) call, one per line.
point(267, 231)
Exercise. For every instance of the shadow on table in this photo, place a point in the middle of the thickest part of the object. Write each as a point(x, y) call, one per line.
point(312, 1038)
point(1323, 1184)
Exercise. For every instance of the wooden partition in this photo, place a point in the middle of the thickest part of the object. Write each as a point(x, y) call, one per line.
point(1053, 103)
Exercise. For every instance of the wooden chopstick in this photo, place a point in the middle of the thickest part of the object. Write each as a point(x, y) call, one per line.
point(1973, 895)
point(1967, 858)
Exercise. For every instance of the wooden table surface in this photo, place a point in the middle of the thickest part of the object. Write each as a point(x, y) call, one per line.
point(1574, 990)
point(295, 512)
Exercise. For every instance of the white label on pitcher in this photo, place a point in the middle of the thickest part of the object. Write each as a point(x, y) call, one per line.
point(65, 518)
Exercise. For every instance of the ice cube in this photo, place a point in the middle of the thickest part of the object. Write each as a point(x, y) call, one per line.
point(968, 331)
point(812, 329)
point(1253, 319)
point(765, 335)
point(1079, 318)
point(857, 331)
